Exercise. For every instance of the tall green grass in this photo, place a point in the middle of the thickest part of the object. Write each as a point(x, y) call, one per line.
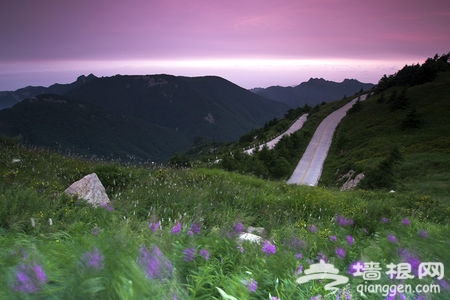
point(92, 253)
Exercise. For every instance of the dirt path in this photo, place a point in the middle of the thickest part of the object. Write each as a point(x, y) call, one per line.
point(298, 124)
point(309, 168)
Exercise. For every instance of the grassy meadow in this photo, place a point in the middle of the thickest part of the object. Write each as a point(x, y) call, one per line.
point(172, 234)
point(413, 120)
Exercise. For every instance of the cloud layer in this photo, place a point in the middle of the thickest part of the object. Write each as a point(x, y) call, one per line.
point(49, 32)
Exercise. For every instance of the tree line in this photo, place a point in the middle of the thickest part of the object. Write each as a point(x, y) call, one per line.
point(415, 74)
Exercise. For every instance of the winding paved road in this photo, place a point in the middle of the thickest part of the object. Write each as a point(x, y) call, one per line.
point(309, 168)
point(298, 124)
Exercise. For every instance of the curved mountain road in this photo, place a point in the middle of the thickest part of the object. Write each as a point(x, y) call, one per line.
point(297, 125)
point(309, 168)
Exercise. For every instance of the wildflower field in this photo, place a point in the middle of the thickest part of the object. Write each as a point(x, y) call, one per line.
point(173, 234)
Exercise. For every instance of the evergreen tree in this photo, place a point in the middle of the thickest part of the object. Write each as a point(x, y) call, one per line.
point(412, 120)
point(383, 176)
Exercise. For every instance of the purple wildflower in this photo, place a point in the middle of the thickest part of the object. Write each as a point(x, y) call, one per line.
point(342, 221)
point(340, 252)
point(384, 220)
point(313, 229)
point(274, 298)
point(406, 222)
point(321, 256)
point(333, 238)
point(174, 297)
point(295, 244)
point(443, 283)
point(189, 254)
point(299, 269)
point(241, 249)
point(29, 278)
point(269, 248)
point(154, 263)
point(96, 230)
point(344, 293)
point(176, 228)
point(355, 267)
point(92, 260)
point(412, 259)
point(108, 206)
point(40, 274)
point(238, 227)
point(393, 296)
point(350, 239)
point(251, 284)
point(423, 233)
point(195, 229)
point(392, 238)
point(204, 253)
point(154, 225)
point(298, 256)
point(24, 281)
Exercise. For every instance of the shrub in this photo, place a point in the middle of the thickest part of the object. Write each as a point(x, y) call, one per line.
point(383, 175)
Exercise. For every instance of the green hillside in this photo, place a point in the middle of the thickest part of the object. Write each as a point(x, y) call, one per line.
point(173, 232)
point(279, 162)
point(398, 137)
point(85, 129)
point(413, 120)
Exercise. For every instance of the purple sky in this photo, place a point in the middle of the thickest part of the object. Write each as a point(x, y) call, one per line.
point(250, 42)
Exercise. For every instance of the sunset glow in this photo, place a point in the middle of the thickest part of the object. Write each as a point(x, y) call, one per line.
point(248, 73)
point(252, 43)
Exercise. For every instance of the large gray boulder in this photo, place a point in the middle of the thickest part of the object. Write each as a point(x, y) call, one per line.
point(90, 189)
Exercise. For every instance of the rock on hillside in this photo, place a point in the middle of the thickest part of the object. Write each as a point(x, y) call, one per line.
point(90, 189)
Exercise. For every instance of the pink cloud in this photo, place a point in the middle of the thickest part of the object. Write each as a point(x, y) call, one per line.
point(47, 31)
point(203, 28)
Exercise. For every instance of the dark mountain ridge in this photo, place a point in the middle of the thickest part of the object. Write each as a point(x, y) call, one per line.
point(313, 92)
point(83, 128)
point(149, 117)
point(207, 106)
point(10, 98)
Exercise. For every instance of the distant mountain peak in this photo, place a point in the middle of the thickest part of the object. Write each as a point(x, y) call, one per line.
point(313, 91)
point(84, 79)
point(312, 79)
